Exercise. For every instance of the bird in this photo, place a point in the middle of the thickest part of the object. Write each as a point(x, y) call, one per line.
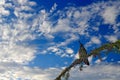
point(83, 54)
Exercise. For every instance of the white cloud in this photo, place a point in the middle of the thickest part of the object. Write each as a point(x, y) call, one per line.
point(22, 2)
point(95, 40)
point(13, 35)
point(32, 3)
point(53, 49)
point(53, 8)
point(90, 59)
point(97, 71)
point(45, 27)
point(4, 12)
point(19, 11)
point(15, 71)
point(77, 14)
point(96, 28)
point(10, 50)
point(110, 15)
point(73, 21)
point(69, 51)
point(111, 38)
point(14, 53)
point(62, 26)
point(71, 37)
point(2, 2)
point(77, 56)
point(23, 27)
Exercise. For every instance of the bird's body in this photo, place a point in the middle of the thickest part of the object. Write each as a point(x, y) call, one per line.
point(83, 54)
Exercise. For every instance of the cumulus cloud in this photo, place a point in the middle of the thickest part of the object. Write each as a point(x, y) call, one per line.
point(102, 71)
point(110, 14)
point(14, 53)
point(16, 71)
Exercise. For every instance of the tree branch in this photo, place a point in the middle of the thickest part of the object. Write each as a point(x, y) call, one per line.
point(96, 52)
point(77, 61)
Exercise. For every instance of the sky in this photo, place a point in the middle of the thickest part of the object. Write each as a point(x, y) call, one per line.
point(39, 38)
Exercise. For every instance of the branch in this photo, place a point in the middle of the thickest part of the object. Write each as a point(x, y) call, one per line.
point(108, 47)
point(77, 61)
point(96, 52)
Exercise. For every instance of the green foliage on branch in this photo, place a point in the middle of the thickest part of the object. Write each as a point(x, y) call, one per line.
point(115, 47)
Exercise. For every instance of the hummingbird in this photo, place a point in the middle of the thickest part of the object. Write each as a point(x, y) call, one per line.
point(83, 54)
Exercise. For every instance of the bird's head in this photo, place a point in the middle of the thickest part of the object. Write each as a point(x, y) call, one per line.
point(80, 44)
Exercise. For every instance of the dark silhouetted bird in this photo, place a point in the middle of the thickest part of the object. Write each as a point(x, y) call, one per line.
point(83, 54)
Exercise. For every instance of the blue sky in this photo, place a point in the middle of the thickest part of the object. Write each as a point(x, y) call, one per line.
point(38, 38)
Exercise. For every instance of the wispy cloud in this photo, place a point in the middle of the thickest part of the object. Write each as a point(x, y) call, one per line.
point(74, 22)
point(20, 23)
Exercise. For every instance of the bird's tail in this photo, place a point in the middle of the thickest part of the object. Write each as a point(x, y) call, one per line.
point(86, 62)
